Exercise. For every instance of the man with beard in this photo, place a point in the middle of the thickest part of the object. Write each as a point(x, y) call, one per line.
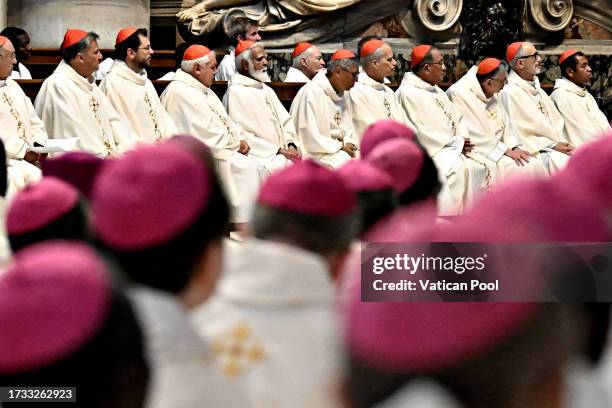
point(533, 115)
point(370, 99)
point(23, 51)
point(71, 104)
point(583, 120)
point(130, 91)
point(255, 106)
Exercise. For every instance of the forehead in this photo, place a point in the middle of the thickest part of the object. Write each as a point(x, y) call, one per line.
point(144, 39)
point(93, 46)
point(313, 51)
point(529, 48)
point(582, 59)
point(212, 58)
point(436, 54)
point(257, 51)
point(387, 51)
point(8, 45)
point(24, 38)
point(252, 29)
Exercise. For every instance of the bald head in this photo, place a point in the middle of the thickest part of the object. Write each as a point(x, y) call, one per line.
point(7, 58)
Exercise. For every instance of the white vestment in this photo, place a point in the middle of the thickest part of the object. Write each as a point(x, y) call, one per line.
point(134, 97)
point(21, 73)
point(21, 128)
point(103, 69)
point(442, 133)
point(371, 101)
point(323, 121)
point(227, 67)
point(583, 120)
point(198, 111)
point(273, 326)
point(73, 106)
point(487, 126)
point(295, 75)
point(255, 107)
point(167, 76)
point(534, 119)
point(183, 374)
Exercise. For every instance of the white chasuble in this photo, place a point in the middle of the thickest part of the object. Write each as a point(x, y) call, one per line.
point(197, 111)
point(73, 106)
point(21, 128)
point(323, 122)
point(487, 126)
point(441, 131)
point(370, 101)
point(273, 322)
point(534, 119)
point(135, 99)
point(295, 75)
point(583, 120)
point(255, 107)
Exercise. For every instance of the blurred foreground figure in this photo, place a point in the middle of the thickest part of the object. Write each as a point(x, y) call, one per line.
point(272, 321)
point(160, 213)
point(64, 325)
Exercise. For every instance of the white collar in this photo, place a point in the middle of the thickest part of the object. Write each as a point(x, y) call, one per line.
point(120, 68)
point(533, 87)
point(240, 79)
point(410, 78)
point(188, 79)
point(364, 78)
point(87, 84)
point(272, 273)
point(321, 80)
point(566, 84)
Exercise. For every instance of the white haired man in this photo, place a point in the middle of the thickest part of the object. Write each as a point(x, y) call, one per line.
point(307, 61)
point(475, 96)
point(198, 111)
point(322, 119)
point(255, 106)
point(370, 99)
point(533, 115)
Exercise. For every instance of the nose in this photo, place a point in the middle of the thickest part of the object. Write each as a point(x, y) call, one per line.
point(151, 51)
point(99, 56)
point(257, 37)
point(393, 62)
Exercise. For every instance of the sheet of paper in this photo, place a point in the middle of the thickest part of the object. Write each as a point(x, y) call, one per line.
point(57, 145)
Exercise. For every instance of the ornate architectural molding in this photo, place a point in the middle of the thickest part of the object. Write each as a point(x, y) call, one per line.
point(432, 18)
point(551, 15)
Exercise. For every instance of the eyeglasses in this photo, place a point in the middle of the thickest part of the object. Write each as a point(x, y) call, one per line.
point(441, 62)
point(147, 48)
point(535, 55)
point(353, 74)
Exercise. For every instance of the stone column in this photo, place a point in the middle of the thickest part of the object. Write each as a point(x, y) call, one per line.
point(3, 13)
point(47, 20)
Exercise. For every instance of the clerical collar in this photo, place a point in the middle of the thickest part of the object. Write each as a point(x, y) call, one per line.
point(365, 79)
point(2, 83)
point(321, 79)
point(564, 83)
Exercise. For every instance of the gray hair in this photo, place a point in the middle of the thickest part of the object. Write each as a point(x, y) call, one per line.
point(189, 65)
point(519, 54)
point(503, 66)
point(296, 61)
point(345, 63)
point(376, 55)
point(245, 56)
point(70, 52)
point(318, 234)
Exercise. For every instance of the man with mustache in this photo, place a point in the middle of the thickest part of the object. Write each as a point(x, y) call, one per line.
point(583, 120)
point(533, 115)
point(255, 106)
point(130, 91)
